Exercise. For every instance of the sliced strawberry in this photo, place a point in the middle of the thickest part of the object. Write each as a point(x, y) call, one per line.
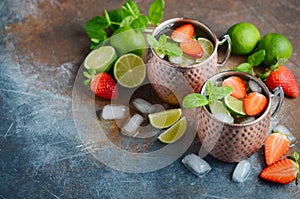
point(238, 85)
point(103, 85)
point(255, 103)
point(182, 33)
point(191, 48)
point(276, 146)
point(284, 171)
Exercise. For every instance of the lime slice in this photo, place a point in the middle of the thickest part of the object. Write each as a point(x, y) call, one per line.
point(164, 119)
point(207, 47)
point(235, 105)
point(175, 132)
point(130, 70)
point(101, 59)
point(216, 106)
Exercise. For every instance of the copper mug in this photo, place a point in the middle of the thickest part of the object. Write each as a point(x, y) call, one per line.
point(234, 142)
point(172, 82)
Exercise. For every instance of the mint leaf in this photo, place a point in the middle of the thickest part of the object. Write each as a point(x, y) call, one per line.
point(131, 8)
point(95, 29)
point(127, 21)
point(140, 22)
point(257, 58)
point(163, 39)
point(171, 49)
point(156, 11)
point(218, 93)
point(152, 41)
point(245, 67)
point(163, 46)
point(194, 100)
point(116, 16)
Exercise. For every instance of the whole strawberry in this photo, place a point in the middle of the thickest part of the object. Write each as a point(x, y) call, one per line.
point(102, 85)
point(283, 77)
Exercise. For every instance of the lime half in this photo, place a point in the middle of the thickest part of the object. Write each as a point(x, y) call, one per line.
point(207, 47)
point(175, 132)
point(100, 59)
point(164, 119)
point(235, 105)
point(130, 70)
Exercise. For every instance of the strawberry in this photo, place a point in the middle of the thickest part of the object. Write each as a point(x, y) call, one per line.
point(191, 48)
point(276, 146)
point(101, 84)
point(182, 33)
point(284, 171)
point(255, 103)
point(283, 77)
point(238, 85)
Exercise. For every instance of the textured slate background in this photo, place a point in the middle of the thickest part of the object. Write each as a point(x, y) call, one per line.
point(42, 45)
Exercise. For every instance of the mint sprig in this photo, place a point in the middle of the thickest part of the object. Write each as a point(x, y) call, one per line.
point(195, 100)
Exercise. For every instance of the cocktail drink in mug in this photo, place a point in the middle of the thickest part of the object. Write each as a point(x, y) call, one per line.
point(182, 57)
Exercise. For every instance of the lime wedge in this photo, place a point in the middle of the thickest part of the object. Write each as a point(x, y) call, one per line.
point(207, 47)
point(130, 70)
point(100, 59)
point(175, 132)
point(164, 119)
point(235, 105)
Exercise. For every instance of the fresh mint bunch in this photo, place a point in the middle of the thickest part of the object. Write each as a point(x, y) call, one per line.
point(163, 46)
point(98, 26)
point(195, 100)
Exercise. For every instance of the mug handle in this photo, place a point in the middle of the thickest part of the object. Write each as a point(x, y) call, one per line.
point(227, 39)
point(277, 92)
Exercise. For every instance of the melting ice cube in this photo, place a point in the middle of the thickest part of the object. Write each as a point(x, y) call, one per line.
point(224, 117)
point(283, 129)
point(114, 111)
point(254, 86)
point(241, 171)
point(196, 165)
point(132, 125)
point(143, 106)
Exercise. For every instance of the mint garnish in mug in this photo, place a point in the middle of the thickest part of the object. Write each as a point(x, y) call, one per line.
point(195, 100)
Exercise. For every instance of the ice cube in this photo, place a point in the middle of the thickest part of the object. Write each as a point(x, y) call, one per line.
point(241, 171)
point(224, 117)
point(132, 125)
point(143, 106)
point(114, 111)
point(248, 120)
point(196, 165)
point(283, 129)
point(254, 86)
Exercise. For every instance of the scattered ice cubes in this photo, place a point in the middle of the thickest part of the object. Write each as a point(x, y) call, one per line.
point(196, 165)
point(283, 129)
point(224, 117)
point(147, 131)
point(241, 171)
point(254, 86)
point(143, 106)
point(131, 127)
point(114, 111)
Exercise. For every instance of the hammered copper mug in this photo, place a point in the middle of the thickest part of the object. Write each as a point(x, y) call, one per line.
point(172, 82)
point(234, 142)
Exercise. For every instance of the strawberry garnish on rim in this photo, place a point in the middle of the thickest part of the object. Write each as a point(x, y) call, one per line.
point(238, 85)
point(284, 171)
point(276, 146)
point(255, 103)
point(183, 33)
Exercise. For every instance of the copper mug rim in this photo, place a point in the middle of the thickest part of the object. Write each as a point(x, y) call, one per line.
point(170, 22)
point(266, 91)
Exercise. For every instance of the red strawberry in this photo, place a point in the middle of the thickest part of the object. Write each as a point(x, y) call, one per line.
point(238, 85)
point(283, 77)
point(182, 33)
point(192, 48)
point(255, 103)
point(284, 171)
point(104, 86)
point(276, 146)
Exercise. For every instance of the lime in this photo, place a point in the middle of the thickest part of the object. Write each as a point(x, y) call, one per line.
point(244, 37)
point(175, 132)
point(130, 70)
point(164, 119)
point(276, 46)
point(128, 40)
point(235, 105)
point(207, 47)
point(101, 59)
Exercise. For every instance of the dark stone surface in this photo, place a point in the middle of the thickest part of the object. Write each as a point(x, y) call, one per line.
point(42, 45)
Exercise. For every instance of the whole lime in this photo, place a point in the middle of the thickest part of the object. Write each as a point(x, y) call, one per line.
point(276, 46)
point(244, 37)
point(128, 40)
